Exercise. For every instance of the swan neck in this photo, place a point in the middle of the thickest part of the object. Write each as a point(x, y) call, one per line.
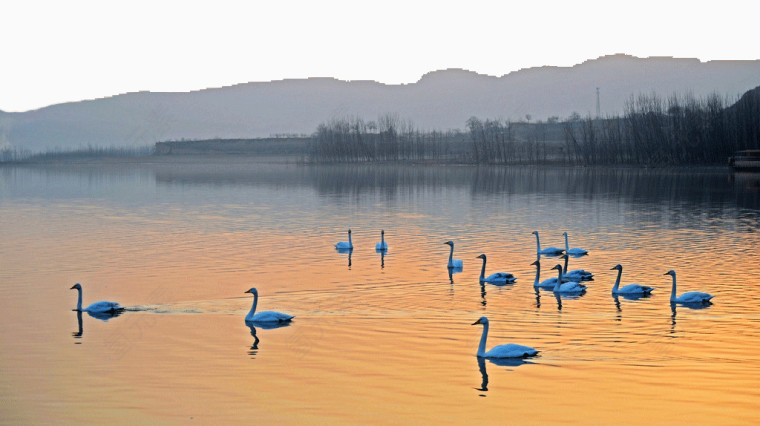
point(559, 281)
point(451, 256)
point(253, 308)
point(567, 247)
point(483, 270)
point(483, 337)
point(673, 291)
point(564, 269)
point(538, 243)
point(617, 281)
point(538, 273)
point(349, 239)
point(79, 299)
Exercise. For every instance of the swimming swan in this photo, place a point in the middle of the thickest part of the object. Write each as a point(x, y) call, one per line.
point(510, 350)
point(548, 250)
point(567, 287)
point(574, 251)
point(97, 307)
point(266, 316)
point(630, 288)
point(382, 245)
point(690, 297)
point(575, 274)
point(343, 245)
point(548, 283)
point(453, 263)
point(495, 278)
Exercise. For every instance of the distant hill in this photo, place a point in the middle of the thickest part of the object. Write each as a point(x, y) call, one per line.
point(439, 100)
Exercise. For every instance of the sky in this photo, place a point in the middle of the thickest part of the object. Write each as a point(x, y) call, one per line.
point(62, 51)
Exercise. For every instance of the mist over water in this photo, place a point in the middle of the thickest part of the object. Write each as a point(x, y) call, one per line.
point(377, 337)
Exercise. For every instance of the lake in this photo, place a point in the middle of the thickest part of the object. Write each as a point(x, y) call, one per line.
point(377, 337)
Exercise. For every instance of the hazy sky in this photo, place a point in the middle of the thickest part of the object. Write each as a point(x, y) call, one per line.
point(55, 51)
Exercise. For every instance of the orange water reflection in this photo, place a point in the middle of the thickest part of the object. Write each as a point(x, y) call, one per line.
point(388, 338)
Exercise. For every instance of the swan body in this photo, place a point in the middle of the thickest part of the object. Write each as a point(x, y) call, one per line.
point(547, 250)
point(630, 288)
point(496, 278)
point(343, 245)
point(690, 297)
point(574, 251)
point(453, 263)
point(265, 316)
point(382, 245)
point(575, 274)
point(548, 284)
point(567, 287)
point(510, 350)
point(97, 307)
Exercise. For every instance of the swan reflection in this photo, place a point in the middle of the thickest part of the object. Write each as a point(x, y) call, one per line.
point(346, 251)
point(502, 362)
point(265, 326)
point(78, 334)
point(381, 252)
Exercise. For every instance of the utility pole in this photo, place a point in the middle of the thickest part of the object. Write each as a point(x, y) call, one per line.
point(598, 109)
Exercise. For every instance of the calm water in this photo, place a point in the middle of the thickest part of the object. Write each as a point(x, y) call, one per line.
point(376, 339)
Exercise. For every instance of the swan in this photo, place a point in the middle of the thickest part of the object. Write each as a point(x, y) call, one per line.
point(548, 250)
point(575, 274)
point(548, 283)
point(630, 288)
point(266, 316)
point(382, 245)
point(453, 263)
point(97, 307)
point(567, 287)
point(690, 297)
point(574, 251)
point(495, 278)
point(509, 350)
point(344, 245)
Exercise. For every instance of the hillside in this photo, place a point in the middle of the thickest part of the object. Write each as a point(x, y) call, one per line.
point(439, 100)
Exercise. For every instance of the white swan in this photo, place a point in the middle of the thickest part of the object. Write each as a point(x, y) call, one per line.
point(690, 297)
point(547, 283)
point(382, 245)
point(343, 245)
point(97, 307)
point(266, 316)
point(575, 274)
point(567, 287)
point(495, 278)
point(574, 251)
point(630, 288)
point(453, 263)
point(510, 350)
point(548, 250)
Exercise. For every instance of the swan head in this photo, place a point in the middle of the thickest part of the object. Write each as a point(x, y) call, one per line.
point(535, 233)
point(382, 232)
point(481, 320)
point(76, 286)
point(564, 256)
point(349, 231)
point(252, 290)
point(557, 267)
point(670, 272)
point(536, 263)
point(618, 267)
point(482, 256)
point(565, 234)
point(451, 243)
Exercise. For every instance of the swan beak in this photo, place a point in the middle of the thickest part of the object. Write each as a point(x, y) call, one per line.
point(73, 287)
point(476, 322)
point(247, 291)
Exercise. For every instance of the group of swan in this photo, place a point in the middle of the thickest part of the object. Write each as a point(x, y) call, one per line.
point(348, 245)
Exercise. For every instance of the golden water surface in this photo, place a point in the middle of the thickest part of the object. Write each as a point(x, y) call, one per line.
point(377, 338)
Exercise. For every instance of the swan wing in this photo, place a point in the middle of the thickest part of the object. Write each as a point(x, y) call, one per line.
point(103, 306)
point(381, 246)
point(577, 251)
point(635, 289)
point(344, 245)
point(551, 250)
point(694, 297)
point(455, 263)
point(500, 277)
point(510, 350)
point(270, 316)
point(549, 282)
point(572, 287)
